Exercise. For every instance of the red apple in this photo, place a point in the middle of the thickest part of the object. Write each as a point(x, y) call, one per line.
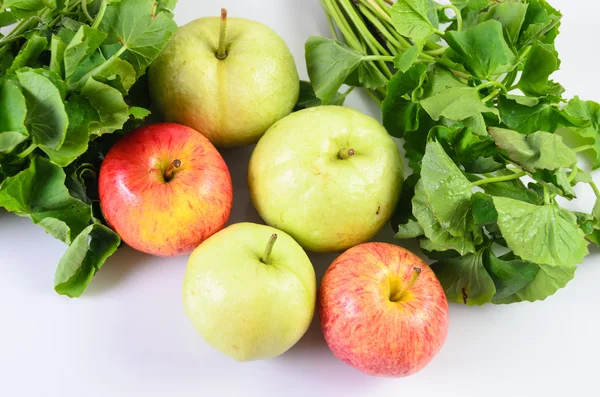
point(165, 189)
point(382, 310)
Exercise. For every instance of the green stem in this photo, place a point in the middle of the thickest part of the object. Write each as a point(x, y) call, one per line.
point(99, 69)
point(459, 20)
point(336, 14)
point(546, 195)
point(348, 91)
point(395, 44)
point(595, 189)
point(374, 97)
point(27, 151)
point(376, 10)
point(222, 48)
point(523, 55)
point(573, 174)
point(85, 11)
point(510, 79)
point(266, 258)
point(493, 95)
point(402, 291)
point(491, 84)
point(497, 179)
point(438, 51)
point(355, 18)
point(100, 14)
point(583, 148)
point(331, 23)
point(384, 58)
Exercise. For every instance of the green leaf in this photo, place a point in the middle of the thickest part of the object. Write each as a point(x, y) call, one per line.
point(528, 119)
point(39, 193)
point(112, 110)
point(24, 8)
point(482, 49)
point(329, 63)
point(557, 181)
point(510, 276)
point(448, 191)
point(511, 14)
point(47, 120)
point(84, 257)
point(541, 63)
point(401, 114)
point(30, 53)
point(540, 150)
point(589, 113)
point(408, 230)
point(465, 279)
point(541, 23)
point(13, 112)
point(135, 26)
point(7, 19)
point(85, 42)
point(483, 210)
point(440, 238)
point(513, 189)
point(370, 77)
point(545, 234)
point(118, 74)
point(410, 18)
point(406, 59)
point(57, 54)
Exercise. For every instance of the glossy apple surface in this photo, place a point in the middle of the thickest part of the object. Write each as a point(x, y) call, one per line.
point(329, 176)
point(246, 307)
point(382, 310)
point(159, 208)
point(232, 101)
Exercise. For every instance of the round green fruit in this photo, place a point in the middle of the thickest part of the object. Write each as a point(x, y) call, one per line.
point(233, 100)
point(250, 291)
point(329, 176)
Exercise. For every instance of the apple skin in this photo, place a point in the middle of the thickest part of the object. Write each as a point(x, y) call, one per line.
point(298, 183)
point(231, 101)
point(365, 328)
point(158, 217)
point(243, 307)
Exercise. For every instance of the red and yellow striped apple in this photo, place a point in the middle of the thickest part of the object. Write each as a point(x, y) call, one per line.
point(382, 310)
point(165, 189)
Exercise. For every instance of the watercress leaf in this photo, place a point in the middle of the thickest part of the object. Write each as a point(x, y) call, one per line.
point(528, 119)
point(465, 279)
point(589, 113)
point(119, 74)
point(13, 111)
point(24, 8)
point(53, 77)
point(482, 165)
point(7, 19)
point(84, 257)
point(541, 62)
point(441, 240)
point(406, 59)
point(408, 230)
point(87, 68)
point(47, 120)
point(139, 113)
point(510, 276)
point(544, 234)
point(112, 110)
point(57, 54)
point(369, 76)
point(403, 212)
point(308, 99)
point(540, 150)
point(39, 193)
point(541, 23)
point(456, 103)
point(482, 49)
point(447, 189)
point(410, 18)
point(81, 114)
point(329, 63)
point(547, 281)
point(483, 210)
point(513, 189)
point(511, 14)
point(167, 4)
point(85, 42)
point(557, 181)
point(135, 25)
point(587, 222)
point(401, 114)
point(30, 52)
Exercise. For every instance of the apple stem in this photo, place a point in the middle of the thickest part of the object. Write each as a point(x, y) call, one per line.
point(266, 258)
point(346, 154)
point(221, 50)
point(398, 295)
point(170, 172)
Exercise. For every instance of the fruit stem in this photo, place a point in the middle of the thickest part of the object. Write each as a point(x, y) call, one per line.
point(399, 294)
point(221, 50)
point(170, 172)
point(345, 154)
point(266, 258)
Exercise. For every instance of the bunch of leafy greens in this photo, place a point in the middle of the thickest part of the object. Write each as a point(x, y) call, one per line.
point(472, 98)
point(71, 82)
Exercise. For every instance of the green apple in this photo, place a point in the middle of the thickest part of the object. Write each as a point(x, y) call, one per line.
point(230, 79)
point(329, 176)
point(250, 291)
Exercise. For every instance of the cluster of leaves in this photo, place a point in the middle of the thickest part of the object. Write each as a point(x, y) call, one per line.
point(71, 82)
point(479, 116)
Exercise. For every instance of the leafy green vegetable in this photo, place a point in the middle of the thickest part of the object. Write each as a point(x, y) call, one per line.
point(410, 18)
point(65, 86)
point(510, 276)
point(541, 63)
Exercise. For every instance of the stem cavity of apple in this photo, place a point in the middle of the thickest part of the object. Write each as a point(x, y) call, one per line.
point(397, 297)
point(170, 171)
point(266, 258)
point(345, 154)
point(221, 49)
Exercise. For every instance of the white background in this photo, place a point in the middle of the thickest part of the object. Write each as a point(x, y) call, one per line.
point(128, 335)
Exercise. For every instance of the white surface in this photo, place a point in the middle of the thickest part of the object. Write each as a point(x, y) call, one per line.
point(128, 335)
